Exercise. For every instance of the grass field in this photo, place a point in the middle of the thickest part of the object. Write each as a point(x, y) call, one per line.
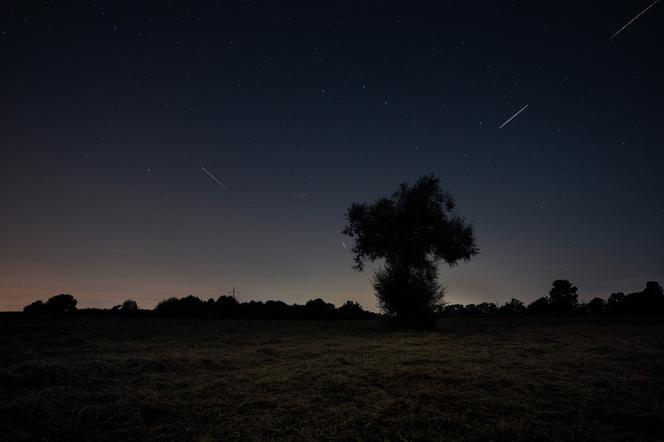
point(105, 378)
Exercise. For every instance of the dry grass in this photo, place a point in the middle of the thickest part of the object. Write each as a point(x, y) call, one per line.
point(87, 378)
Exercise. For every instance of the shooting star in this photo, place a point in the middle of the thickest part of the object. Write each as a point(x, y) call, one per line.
point(512, 117)
point(213, 177)
point(343, 244)
point(632, 20)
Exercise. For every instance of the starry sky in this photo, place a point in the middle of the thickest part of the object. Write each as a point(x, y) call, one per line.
point(155, 149)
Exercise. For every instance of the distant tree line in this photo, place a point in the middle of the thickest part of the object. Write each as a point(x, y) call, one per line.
point(223, 307)
point(563, 300)
point(229, 307)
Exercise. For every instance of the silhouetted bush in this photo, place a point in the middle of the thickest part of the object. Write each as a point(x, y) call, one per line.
point(253, 309)
point(169, 306)
point(187, 306)
point(512, 307)
point(353, 311)
point(616, 303)
point(487, 308)
point(278, 310)
point(471, 310)
point(539, 306)
point(453, 310)
point(317, 309)
point(654, 289)
point(226, 306)
point(650, 301)
point(129, 306)
point(36, 307)
point(596, 306)
point(58, 304)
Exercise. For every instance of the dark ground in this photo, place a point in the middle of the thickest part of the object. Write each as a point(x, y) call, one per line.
point(106, 378)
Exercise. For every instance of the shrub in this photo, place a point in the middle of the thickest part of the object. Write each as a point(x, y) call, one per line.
point(539, 307)
point(35, 307)
point(59, 304)
point(512, 307)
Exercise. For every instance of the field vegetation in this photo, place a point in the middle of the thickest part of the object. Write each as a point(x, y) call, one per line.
point(105, 377)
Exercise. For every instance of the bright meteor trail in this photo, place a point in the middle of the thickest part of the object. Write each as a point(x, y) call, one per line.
point(512, 117)
point(630, 22)
point(213, 177)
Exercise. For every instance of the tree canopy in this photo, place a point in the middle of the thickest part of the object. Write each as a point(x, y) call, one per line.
point(413, 230)
point(563, 297)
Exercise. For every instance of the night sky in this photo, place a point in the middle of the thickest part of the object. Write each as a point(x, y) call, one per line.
point(112, 112)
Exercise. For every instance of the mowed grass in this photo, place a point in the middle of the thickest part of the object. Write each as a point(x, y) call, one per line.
point(105, 378)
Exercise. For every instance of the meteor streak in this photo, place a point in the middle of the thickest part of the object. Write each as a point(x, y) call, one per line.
point(510, 119)
point(213, 177)
point(630, 22)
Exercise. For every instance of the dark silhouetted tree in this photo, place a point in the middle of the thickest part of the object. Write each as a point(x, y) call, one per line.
point(563, 298)
point(192, 305)
point(471, 309)
point(512, 307)
point(539, 306)
point(36, 307)
point(253, 309)
point(487, 308)
point(227, 305)
point(453, 310)
point(167, 306)
point(654, 298)
point(351, 310)
point(596, 306)
point(317, 309)
point(413, 230)
point(187, 306)
point(129, 306)
point(650, 301)
point(63, 303)
point(616, 303)
point(278, 310)
point(408, 293)
point(654, 289)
